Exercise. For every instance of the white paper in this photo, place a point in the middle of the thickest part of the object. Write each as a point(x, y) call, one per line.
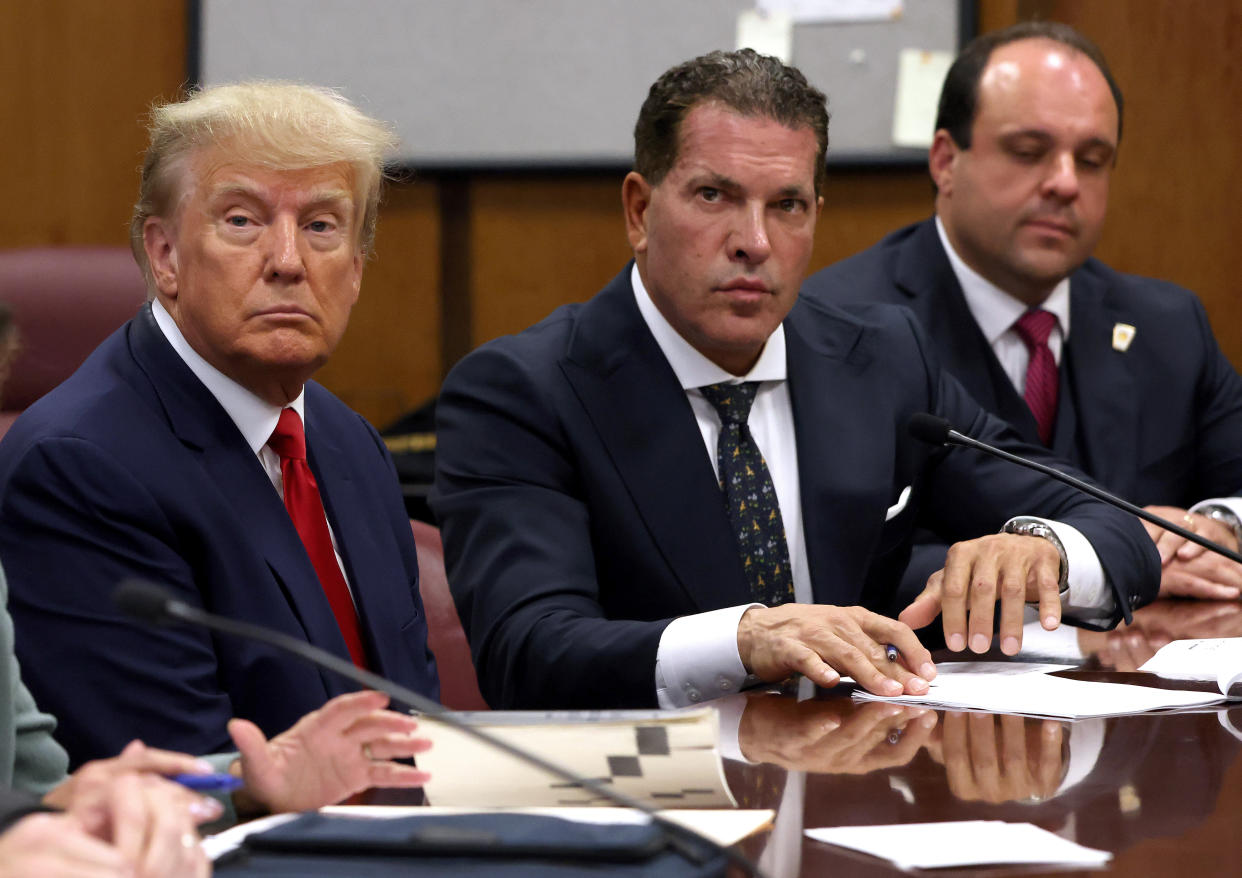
point(820, 11)
point(216, 846)
point(768, 33)
point(1215, 660)
point(961, 843)
point(920, 75)
point(986, 686)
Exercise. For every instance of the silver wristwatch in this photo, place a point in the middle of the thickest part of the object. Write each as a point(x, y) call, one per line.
point(1033, 527)
point(1225, 516)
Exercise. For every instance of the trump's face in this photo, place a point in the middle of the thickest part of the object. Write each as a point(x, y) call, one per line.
point(259, 267)
point(722, 242)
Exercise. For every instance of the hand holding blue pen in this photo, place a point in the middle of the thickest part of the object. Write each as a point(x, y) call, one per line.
point(216, 782)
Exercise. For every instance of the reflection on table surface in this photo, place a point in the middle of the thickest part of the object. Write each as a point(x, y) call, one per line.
point(1162, 791)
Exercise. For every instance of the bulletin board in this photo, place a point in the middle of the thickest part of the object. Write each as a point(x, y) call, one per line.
point(556, 84)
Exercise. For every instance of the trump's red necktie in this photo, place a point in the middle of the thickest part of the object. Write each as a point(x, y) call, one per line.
point(306, 509)
point(1042, 381)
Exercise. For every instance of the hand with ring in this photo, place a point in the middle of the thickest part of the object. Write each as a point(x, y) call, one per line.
point(347, 746)
point(1189, 570)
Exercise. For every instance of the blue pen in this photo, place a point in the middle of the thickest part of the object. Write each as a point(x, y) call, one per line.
point(208, 783)
point(891, 652)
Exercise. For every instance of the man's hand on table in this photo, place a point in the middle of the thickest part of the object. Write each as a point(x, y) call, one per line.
point(826, 643)
point(1009, 568)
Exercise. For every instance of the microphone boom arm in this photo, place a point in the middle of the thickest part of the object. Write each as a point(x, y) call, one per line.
point(956, 438)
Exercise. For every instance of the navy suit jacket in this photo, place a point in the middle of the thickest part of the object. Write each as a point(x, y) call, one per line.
point(131, 468)
point(1158, 423)
point(580, 512)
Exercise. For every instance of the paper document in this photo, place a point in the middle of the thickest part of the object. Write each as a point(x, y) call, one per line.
point(961, 843)
point(766, 33)
point(836, 11)
point(1215, 660)
point(1004, 687)
point(920, 77)
point(666, 759)
point(723, 827)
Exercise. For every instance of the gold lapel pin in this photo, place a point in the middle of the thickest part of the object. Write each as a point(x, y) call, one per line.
point(1123, 334)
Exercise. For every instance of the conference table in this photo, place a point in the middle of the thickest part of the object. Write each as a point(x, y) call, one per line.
point(1161, 791)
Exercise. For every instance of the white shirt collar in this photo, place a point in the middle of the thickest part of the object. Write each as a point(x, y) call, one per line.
point(691, 367)
point(995, 310)
point(255, 417)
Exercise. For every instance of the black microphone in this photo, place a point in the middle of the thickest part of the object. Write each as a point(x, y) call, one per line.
point(938, 431)
point(155, 605)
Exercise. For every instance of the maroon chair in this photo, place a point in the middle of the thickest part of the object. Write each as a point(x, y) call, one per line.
point(459, 687)
point(65, 301)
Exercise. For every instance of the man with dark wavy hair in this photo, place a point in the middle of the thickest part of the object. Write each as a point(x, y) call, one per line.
point(1118, 374)
point(695, 479)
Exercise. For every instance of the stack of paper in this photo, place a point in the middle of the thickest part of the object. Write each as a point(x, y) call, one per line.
point(1215, 660)
point(1014, 687)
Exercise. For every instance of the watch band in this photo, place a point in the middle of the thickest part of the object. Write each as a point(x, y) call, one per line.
point(1225, 516)
point(1033, 527)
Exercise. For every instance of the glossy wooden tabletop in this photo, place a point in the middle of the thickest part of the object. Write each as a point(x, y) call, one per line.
point(1161, 791)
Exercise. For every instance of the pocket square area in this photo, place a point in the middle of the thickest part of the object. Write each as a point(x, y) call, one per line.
point(895, 510)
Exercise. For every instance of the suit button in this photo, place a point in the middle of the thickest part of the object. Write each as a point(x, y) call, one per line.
point(693, 695)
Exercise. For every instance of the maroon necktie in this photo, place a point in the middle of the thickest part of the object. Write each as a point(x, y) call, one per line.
point(306, 509)
point(1041, 373)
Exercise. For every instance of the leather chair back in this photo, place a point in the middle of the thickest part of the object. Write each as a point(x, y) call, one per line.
point(65, 301)
point(459, 687)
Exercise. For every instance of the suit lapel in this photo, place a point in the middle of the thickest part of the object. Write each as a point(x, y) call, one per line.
point(642, 418)
point(835, 420)
point(206, 430)
point(926, 276)
point(1103, 388)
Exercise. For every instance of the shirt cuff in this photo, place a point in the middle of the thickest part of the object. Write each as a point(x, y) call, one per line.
point(698, 659)
point(1089, 598)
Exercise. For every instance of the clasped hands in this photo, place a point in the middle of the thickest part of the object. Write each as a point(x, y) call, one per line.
point(1189, 570)
point(122, 817)
point(824, 643)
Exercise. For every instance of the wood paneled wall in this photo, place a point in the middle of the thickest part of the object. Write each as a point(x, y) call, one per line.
point(79, 75)
point(1175, 210)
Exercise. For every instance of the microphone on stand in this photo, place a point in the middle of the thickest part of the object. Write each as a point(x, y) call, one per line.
point(155, 605)
point(937, 431)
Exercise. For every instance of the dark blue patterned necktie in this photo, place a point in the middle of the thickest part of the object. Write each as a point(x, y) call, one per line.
point(749, 496)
